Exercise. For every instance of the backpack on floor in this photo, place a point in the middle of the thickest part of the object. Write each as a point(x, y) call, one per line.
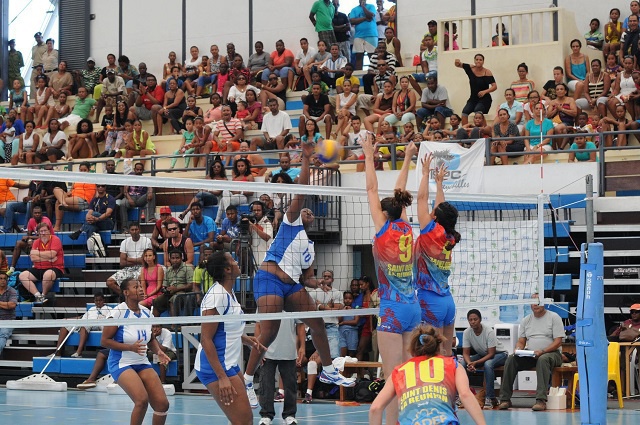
point(95, 245)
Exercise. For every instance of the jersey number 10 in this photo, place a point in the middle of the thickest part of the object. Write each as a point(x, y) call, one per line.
point(430, 371)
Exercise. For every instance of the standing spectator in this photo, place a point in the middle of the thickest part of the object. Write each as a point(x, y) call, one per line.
point(284, 353)
point(131, 258)
point(26, 242)
point(481, 84)
point(37, 52)
point(89, 77)
point(177, 279)
point(16, 63)
point(381, 18)
point(342, 30)
point(362, 17)
point(434, 102)
point(393, 44)
point(275, 126)
point(321, 16)
point(48, 263)
point(489, 353)
point(50, 58)
point(202, 230)
point(8, 303)
point(137, 197)
point(329, 298)
point(261, 232)
point(98, 218)
point(541, 332)
point(348, 328)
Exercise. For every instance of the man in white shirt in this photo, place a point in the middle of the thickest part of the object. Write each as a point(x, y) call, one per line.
point(304, 56)
point(329, 300)
point(261, 232)
point(355, 138)
point(131, 250)
point(275, 126)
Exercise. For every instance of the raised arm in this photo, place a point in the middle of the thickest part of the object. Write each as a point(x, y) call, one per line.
point(298, 200)
point(424, 216)
point(401, 183)
point(377, 215)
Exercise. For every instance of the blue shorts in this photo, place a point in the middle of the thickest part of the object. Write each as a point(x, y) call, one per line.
point(207, 198)
point(437, 310)
point(349, 337)
point(398, 318)
point(207, 378)
point(265, 283)
point(137, 368)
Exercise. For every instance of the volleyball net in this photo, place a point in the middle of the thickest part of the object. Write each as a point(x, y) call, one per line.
point(496, 267)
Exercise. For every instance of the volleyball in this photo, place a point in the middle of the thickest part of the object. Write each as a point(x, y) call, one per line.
point(328, 151)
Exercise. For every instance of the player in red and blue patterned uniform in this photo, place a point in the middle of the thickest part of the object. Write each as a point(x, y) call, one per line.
point(425, 387)
point(393, 256)
point(433, 255)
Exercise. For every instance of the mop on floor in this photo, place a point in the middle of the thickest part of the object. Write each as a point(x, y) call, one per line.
point(40, 381)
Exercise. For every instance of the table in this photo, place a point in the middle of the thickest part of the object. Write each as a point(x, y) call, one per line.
point(628, 348)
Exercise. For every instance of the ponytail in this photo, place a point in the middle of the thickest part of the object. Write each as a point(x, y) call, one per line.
point(426, 341)
point(394, 205)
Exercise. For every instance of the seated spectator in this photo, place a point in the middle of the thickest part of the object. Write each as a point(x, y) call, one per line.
point(381, 54)
point(536, 127)
point(77, 199)
point(238, 90)
point(187, 147)
point(474, 130)
point(25, 243)
point(256, 160)
point(202, 230)
point(532, 100)
point(237, 68)
point(503, 128)
point(111, 64)
point(428, 63)
point(275, 126)
point(333, 67)
point(117, 133)
point(83, 108)
point(576, 65)
point(59, 109)
point(210, 75)
point(316, 62)
point(159, 234)
point(514, 107)
point(594, 38)
point(316, 77)
point(489, 354)
point(176, 241)
point(190, 70)
point(565, 108)
point(280, 201)
point(280, 63)
point(593, 93)
point(228, 132)
point(348, 75)
point(622, 86)
point(580, 142)
point(209, 197)
point(304, 57)
point(629, 330)
point(498, 40)
point(113, 89)
point(612, 33)
point(348, 328)
point(274, 89)
point(107, 124)
point(618, 123)
point(230, 229)
point(285, 167)
point(137, 197)
point(60, 81)
point(382, 106)
point(8, 303)
point(202, 280)
point(355, 137)
point(138, 143)
point(523, 85)
point(549, 88)
point(434, 102)
point(151, 95)
point(131, 258)
point(388, 135)
point(403, 107)
point(345, 108)
point(19, 99)
point(41, 103)
point(253, 119)
point(83, 144)
point(316, 108)
point(214, 114)
point(98, 366)
point(241, 173)
point(128, 72)
point(48, 263)
point(99, 216)
point(99, 311)
point(176, 72)
point(366, 101)
point(178, 279)
point(173, 106)
point(7, 198)
point(165, 340)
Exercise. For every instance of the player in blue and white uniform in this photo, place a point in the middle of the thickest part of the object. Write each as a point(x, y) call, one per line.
point(279, 285)
point(128, 362)
point(220, 347)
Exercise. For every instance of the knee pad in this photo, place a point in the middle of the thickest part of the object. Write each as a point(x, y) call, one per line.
point(312, 368)
point(161, 413)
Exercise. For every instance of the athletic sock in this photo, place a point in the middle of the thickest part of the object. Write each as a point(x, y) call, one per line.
point(248, 379)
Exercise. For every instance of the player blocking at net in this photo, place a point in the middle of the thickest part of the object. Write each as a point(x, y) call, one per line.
point(280, 285)
point(393, 256)
point(433, 248)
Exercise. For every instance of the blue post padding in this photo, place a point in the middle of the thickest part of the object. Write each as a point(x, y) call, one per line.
point(591, 337)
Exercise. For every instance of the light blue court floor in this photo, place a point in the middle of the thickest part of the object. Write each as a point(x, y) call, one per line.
point(81, 408)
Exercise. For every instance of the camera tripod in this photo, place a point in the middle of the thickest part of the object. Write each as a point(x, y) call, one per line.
point(246, 262)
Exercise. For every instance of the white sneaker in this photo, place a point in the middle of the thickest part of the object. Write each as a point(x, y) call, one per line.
point(265, 421)
point(41, 299)
point(336, 378)
point(253, 398)
point(76, 356)
point(290, 420)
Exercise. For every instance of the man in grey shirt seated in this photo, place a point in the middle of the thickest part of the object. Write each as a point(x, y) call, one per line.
point(541, 332)
point(489, 353)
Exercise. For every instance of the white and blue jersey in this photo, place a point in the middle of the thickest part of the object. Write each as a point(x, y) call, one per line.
point(228, 336)
point(291, 249)
point(129, 334)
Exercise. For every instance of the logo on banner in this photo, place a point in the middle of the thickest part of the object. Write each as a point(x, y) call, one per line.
point(454, 178)
point(464, 166)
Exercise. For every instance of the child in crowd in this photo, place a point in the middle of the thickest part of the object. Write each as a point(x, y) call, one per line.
point(242, 113)
point(175, 75)
point(201, 278)
point(7, 138)
point(348, 328)
point(316, 77)
point(19, 99)
point(594, 37)
point(186, 148)
point(580, 142)
point(107, 124)
point(115, 137)
point(293, 143)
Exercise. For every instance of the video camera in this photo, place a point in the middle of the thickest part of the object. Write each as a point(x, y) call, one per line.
point(245, 220)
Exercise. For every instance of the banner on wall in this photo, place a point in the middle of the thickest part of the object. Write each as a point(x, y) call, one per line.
point(465, 166)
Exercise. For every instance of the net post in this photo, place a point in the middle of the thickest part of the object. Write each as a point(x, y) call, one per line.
point(589, 208)
point(541, 202)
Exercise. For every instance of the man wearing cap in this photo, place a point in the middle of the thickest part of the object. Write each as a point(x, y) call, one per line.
point(159, 234)
point(89, 78)
point(629, 330)
point(36, 58)
point(112, 87)
point(15, 63)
